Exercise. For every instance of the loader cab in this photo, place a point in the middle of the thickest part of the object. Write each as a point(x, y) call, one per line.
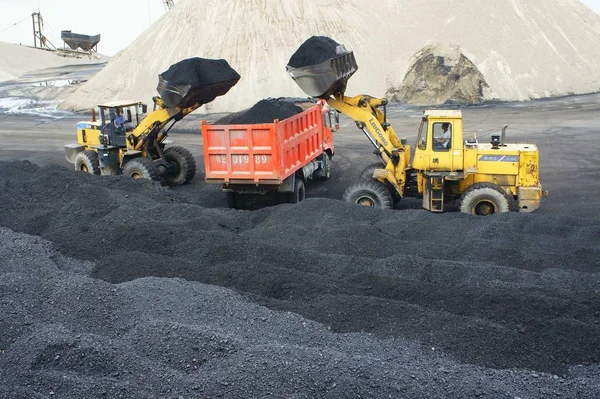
point(117, 119)
point(439, 143)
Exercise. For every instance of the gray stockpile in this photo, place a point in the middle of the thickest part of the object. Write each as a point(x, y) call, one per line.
point(433, 305)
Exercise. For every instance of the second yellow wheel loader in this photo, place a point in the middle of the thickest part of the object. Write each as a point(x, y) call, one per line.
point(486, 178)
point(123, 141)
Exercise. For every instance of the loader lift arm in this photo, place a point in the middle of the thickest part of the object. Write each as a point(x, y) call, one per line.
point(365, 111)
point(152, 126)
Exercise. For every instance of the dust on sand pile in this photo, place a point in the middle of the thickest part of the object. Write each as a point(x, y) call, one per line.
point(264, 111)
point(523, 49)
point(508, 292)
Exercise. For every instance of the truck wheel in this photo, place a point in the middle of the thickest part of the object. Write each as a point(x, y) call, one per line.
point(326, 173)
point(484, 199)
point(369, 192)
point(183, 166)
point(141, 168)
point(233, 200)
point(87, 161)
point(299, 193)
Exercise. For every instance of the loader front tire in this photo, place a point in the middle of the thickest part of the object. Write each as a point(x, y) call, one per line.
point(484, 199)
point(369, 192)
point(182, 166)
point(367, 172)
point(141, 168)
point(87, 161)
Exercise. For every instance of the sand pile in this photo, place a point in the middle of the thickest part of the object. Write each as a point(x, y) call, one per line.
point(509, 292)
point(523, 48)
point(441, 75)
point(17, 60)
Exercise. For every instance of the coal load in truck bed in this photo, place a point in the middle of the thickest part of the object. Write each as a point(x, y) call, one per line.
point(314, 51)
point(195, 80)
point(264, 111)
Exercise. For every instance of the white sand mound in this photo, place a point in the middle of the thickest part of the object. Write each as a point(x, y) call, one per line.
point(525, 49)
point(16, 60)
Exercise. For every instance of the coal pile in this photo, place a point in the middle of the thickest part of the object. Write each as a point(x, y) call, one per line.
point(314, 51)
point(196, 80)
point(429, 305)
point(264, 111)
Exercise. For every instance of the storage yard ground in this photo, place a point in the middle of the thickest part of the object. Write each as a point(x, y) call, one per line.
point(320, 299)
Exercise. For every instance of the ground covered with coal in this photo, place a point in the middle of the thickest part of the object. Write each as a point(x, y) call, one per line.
point(314, 51)
point(130, 296)
point(264, 111)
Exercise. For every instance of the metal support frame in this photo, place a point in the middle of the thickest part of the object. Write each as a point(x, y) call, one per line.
point(38, 32)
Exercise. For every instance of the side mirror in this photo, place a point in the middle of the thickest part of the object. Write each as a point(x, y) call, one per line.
point(144, 108)
point(334, 116)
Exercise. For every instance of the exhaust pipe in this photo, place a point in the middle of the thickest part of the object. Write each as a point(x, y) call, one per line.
point(502, 142)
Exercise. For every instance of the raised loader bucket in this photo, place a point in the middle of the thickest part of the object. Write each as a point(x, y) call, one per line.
point(195, 81)
point(322, 67)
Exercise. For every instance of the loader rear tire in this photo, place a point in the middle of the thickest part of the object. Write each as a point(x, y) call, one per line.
point(87, 161)
point(299, 193)
point(183, 166)
point(141, 168)
point(369, 192)
point(484, 199)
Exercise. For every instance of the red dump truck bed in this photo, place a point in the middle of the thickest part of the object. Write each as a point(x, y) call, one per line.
point(268, 153)
point(254, 160)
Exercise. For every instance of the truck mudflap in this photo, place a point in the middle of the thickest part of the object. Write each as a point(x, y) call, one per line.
point(530, 198)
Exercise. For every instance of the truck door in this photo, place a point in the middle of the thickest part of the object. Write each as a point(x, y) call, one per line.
point(442, 141)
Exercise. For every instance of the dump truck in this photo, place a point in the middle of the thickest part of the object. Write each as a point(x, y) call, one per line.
point(485, 178)
point(270, 159)
point(124, 140)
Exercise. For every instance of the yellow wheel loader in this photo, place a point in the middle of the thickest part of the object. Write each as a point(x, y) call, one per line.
point(486, 178)
point(124, 141)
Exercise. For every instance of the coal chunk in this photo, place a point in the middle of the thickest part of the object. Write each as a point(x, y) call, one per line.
point(196, 80)
point(264, 111)
point(314, 51)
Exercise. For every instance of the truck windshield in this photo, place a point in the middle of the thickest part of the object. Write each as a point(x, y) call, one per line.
point(422, 139)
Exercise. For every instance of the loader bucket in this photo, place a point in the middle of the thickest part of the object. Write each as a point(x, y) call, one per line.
point(322, 79)
point(195, 81)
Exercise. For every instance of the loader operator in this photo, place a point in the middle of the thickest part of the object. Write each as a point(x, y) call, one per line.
point(443, 142)
point(119, 120)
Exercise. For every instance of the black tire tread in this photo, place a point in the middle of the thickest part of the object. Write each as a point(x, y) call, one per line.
point(144, 166)
point(90, 157)
point(299, 193)
point(373, 187)
point(468, 196)
point(367, 172)
point(190, 163)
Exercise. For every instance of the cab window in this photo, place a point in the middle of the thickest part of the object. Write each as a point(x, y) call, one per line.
point(422, 139)
point(442, 136)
